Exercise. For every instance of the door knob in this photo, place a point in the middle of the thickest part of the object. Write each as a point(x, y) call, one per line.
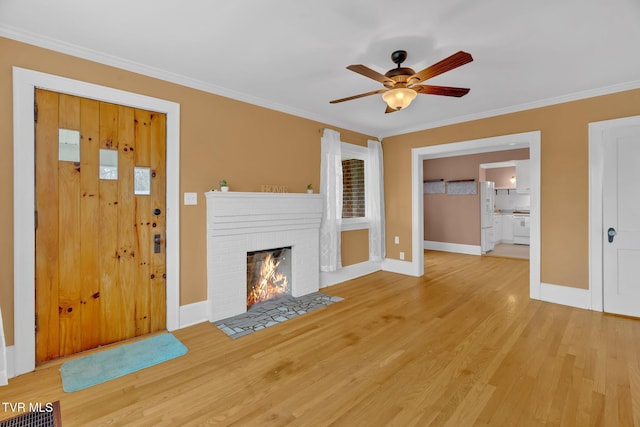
point(611, 234)
point(157, 211)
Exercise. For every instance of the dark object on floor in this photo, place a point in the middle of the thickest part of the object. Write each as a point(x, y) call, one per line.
point(45, 415)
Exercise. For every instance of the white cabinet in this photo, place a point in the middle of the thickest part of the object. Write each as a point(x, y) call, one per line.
point(497, 228)
point(507, 228)
point(523, 182)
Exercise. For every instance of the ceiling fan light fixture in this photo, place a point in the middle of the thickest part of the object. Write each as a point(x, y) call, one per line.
point(399, 98)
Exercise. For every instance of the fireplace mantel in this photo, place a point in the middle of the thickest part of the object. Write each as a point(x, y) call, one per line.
point(238, 223)
point(233, 213)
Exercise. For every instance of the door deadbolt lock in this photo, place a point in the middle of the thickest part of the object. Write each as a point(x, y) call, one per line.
point(611, 234)
point(156, 244)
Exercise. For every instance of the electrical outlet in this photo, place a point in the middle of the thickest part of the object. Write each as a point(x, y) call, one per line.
point(396, 240)
point(402, 255)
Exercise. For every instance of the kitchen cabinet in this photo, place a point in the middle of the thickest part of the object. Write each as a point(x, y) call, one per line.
point(523, 182)
point(497, 228)
point(507, 228)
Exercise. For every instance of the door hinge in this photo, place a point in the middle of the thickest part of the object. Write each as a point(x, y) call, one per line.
point(35, 219)
point(36, 326)
point(35, 112)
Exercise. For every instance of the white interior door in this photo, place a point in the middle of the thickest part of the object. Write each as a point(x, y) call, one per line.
point(621, 221)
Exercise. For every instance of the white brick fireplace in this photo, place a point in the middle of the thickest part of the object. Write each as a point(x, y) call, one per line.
point(238, 223)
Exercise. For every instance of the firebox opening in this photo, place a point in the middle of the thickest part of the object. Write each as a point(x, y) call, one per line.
point(268, 275)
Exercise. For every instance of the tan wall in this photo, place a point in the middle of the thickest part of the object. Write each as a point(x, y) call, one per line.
point(456, 218)
point(564, 176)
point(354, 239)
point(220, 138)
point(501, 176)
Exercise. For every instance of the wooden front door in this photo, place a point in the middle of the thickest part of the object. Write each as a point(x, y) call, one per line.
point(100, 223)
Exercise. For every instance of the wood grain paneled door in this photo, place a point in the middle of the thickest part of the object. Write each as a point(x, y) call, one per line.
point(100, 223)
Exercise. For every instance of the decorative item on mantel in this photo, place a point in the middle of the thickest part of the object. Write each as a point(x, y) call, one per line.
point(268, 188)
point(223, 185)
point(309, 188)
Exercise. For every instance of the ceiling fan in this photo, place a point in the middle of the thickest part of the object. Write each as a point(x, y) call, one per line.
point(403, 84)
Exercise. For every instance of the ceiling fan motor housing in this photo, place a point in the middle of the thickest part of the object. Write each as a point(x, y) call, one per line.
point(400, 74)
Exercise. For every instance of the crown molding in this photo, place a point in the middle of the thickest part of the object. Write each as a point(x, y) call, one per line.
point(135, 67)
point(591, 93)
point(117, 62)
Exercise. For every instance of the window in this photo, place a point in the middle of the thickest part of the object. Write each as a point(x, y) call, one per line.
point(353, 198)
point(354, 208)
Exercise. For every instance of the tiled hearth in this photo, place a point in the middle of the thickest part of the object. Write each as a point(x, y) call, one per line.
point(238, 223)
point(273, 312)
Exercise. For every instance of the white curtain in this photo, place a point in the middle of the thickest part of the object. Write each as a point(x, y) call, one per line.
point(331, 190)
point(375, 202)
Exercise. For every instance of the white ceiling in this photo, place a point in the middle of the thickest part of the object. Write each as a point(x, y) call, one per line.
point(290, 55)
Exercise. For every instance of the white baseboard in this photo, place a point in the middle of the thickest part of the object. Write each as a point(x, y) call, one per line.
point(453, 247)
point(565, 295)
point(348, 273)
point(192, 314)
point(397, 266)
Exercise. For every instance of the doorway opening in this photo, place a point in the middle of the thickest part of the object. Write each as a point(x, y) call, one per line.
point(529, 140)
point(509, 214)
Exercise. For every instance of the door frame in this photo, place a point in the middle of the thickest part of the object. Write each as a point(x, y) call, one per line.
point(531, 140)
point(24, 84)
point(597, 146)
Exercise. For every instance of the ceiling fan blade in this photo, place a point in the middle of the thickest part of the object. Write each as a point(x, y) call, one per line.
point(454, 61)
point(372, 74)
point(441, 90)
point(390, 110)
point(335, 101)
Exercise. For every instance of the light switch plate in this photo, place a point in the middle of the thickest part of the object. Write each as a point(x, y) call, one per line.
point(190, 198)
point(396, 240)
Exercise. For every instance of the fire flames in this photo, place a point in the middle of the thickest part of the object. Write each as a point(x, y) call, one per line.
point(270, 283)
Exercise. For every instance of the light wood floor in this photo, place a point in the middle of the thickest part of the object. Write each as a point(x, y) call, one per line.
point(462, 346)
